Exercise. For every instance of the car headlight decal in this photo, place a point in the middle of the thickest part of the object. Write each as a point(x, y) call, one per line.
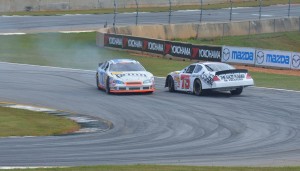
point(118, 82)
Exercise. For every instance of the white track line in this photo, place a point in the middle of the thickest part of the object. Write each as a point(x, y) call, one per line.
point(83, 31)
point(278, 89)
point(72, 69)
point(8, 34)
point(36, 167)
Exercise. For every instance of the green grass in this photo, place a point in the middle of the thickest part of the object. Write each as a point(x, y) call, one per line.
point(154, 9)
point(76, 50)
point(276, 81)
point(164, 168)
point(288, 41)
point(79, 50)
point(18, 122)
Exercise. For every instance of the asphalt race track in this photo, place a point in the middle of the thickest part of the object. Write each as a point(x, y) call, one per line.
point(260, 127)
point(33, 24)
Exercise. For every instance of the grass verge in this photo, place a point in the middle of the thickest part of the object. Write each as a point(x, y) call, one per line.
point(18, 122)
point(78, 50)
point(164, 168)
point(276, 81)
point(154, 9)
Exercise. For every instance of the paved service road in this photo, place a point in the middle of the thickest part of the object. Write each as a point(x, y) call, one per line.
point(260, 127)
point(12, 24)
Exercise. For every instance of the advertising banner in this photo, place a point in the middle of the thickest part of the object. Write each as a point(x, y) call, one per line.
point(113, 40)
point(295, 61)
point(207, 53)
point(132, 43)
point(154, 46)
point(238, 55)
point(273, 58)
point(178, 49)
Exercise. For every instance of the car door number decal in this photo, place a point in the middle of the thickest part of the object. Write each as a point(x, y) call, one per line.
point(185, 81)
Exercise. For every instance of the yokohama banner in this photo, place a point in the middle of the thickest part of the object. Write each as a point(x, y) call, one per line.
point(132, 43)
point(206, 53)
point(113, 40)
point(178, 49)
point(154, 46)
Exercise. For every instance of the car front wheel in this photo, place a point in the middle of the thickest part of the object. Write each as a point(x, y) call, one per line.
point(97, 81)
point(107, 89)
point(171, 84)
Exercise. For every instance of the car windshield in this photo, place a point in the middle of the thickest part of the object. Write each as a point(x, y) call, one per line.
point(126, 67)
point(218, 67)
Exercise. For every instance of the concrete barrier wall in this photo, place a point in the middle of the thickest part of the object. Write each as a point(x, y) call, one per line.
point(43, 5)
point(207, 30)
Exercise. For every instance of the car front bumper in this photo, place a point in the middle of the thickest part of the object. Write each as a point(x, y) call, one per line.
point(132, 89)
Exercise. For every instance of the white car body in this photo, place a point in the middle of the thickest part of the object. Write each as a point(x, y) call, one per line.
point(124, 76)
point(215, 76)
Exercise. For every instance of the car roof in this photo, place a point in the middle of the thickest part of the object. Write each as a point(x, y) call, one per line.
point(116, 61)
point(207, 63)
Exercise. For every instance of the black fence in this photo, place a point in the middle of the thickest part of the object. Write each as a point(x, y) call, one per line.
point(227, 11)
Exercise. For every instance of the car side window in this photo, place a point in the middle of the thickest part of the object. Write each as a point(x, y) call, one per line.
point(190, 69)
point(198, 68)
point(103, 65)
point(106, 66)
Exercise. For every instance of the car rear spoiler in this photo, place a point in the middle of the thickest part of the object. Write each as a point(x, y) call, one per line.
point(232, 71)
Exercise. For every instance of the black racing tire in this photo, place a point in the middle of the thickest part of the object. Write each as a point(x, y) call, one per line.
point(237, 91)
point(171, 84)
point(197, 88)
point(97, 81)
point(107, 89)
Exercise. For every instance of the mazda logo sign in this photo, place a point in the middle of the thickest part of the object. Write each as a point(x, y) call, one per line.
point(296, 61)
point(226, 54)
point(260, 57)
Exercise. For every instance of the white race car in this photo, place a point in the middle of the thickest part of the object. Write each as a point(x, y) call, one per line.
point(124, 76)
point(214, 76)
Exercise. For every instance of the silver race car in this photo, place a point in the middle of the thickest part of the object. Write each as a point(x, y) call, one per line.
point(214, 76)
point(124, 76)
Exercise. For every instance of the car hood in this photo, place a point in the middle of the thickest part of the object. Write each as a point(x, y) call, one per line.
point(132, 76)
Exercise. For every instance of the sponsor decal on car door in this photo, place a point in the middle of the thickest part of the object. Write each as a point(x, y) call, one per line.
point(185, 81)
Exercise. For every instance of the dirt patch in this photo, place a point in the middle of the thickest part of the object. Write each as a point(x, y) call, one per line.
point(270, 70)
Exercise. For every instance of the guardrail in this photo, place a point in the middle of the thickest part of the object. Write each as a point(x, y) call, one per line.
point(230, 54)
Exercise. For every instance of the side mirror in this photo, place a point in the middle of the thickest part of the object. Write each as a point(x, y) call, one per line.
point(100, 64)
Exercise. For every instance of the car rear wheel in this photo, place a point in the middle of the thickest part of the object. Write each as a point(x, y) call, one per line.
point(237, 91)
point(171, 84)
point(97, 81)
point(197, 88)
point(107, 89)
